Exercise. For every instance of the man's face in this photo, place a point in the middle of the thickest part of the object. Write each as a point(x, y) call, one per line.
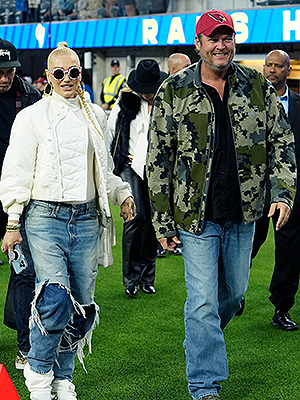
point(115, 70)
point(277, 69)
point(6, 78)
point(218, 49)
point(148, 97)
point(130, 10)
point(40, 86)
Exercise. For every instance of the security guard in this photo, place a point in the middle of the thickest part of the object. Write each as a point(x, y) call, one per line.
point(112, 85)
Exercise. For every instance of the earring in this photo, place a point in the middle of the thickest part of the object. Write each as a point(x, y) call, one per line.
point(48, 89)
point(80, 88)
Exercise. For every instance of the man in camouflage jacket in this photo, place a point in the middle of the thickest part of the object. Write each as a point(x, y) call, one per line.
point(217, 129)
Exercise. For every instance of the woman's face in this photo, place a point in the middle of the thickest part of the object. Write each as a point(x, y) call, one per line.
point(66, 87)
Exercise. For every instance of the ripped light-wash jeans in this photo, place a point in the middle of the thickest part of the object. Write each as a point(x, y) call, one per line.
point(217, 265)
point(64, 243)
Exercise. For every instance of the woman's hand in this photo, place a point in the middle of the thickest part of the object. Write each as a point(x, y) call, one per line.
point(11, 237)
point(128, 211)
point(9, 240)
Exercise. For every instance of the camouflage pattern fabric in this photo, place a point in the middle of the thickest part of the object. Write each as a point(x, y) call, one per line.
point(181, 142)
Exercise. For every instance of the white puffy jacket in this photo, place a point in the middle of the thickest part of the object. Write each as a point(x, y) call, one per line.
point(33, 164)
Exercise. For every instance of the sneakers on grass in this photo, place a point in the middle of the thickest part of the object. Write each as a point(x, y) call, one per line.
point(21, 360)
point(63, 390)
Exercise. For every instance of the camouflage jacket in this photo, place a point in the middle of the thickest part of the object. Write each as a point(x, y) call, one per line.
point(181, 143)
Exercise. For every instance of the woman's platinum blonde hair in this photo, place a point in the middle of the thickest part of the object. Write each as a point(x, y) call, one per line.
point(62, 49)
point(86, 107)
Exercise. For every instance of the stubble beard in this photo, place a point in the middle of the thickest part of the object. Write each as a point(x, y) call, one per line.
point(217, 67)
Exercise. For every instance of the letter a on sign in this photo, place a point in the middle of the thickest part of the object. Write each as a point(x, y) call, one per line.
point(176, 31)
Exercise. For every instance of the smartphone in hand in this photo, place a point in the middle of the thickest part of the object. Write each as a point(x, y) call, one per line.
point(17, 259)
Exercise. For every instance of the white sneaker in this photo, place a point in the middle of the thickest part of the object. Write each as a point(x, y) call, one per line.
point(63, 390)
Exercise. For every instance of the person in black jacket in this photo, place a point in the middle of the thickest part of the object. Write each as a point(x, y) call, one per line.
point(128, 124)
point(16, 94)
point(285, 279)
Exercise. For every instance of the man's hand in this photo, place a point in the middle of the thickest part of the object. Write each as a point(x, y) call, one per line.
point(284, 213)
point(169, 243)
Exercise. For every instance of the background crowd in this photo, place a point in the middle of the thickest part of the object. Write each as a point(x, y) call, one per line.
point(192, 159)
point(27, 11)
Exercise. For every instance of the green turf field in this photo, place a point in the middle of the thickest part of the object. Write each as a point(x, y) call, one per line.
point(137, 348)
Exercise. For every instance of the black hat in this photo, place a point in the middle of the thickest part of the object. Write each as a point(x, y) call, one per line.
point(8, 55)
point(147, 77)
point(114, 62)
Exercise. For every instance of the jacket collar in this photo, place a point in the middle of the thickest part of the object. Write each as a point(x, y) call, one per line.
point(231, 71)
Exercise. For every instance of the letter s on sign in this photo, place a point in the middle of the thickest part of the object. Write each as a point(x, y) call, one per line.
point(240, 19)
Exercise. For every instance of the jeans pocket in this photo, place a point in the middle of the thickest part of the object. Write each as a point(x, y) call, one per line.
point(92, 215)
point(29, 209)
point(37, 208)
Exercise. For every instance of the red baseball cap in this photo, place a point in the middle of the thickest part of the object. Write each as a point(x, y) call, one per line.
point(210, 20)
point(41, 80)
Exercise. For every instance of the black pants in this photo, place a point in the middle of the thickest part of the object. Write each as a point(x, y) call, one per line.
point(285, 279)
point(3, 222)
point(23, 288)
point(139, 240)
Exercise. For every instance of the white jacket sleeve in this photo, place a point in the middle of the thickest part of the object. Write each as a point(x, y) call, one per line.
point(18, 166)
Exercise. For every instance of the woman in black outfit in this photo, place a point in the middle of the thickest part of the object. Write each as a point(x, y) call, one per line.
point(128, 124)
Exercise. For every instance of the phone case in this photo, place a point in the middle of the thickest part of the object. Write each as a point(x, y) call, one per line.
point(17, 259)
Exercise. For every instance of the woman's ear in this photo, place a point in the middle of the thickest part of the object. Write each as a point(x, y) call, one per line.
point(48, 75)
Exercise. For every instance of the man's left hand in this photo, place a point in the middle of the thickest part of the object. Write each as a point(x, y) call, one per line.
point(284, 213)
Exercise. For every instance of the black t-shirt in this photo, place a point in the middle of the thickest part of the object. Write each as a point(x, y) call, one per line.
point(224, 199)
point(7, 116)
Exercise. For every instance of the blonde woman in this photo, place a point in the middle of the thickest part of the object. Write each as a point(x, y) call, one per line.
point(57, 164)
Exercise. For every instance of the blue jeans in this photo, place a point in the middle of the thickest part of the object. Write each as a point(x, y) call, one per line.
point(217, 264)
point(64, 243)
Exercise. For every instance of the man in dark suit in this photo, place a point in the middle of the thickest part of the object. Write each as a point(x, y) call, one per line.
point(285, 279)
